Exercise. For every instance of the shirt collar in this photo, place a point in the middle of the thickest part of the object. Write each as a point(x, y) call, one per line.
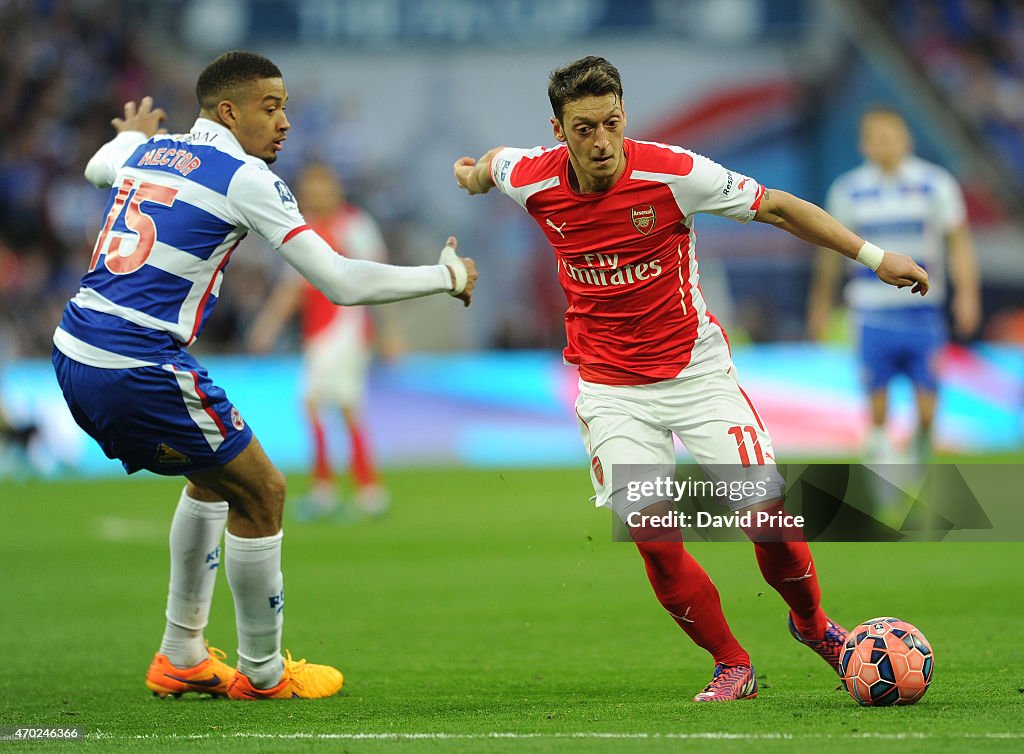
point(206, 131)
point(897, 174)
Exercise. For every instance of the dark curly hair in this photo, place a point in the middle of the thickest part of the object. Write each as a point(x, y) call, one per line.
point(586, 77)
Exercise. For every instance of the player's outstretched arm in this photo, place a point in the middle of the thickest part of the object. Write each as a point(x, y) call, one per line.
point(282, 303)
point(826, 273)
point(138, 124)
point(348, 282)
point(963, 272)
point(813, 224)
point(475, 175)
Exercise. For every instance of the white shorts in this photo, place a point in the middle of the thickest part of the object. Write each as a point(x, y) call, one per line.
point(634, 425)
point(336, 363)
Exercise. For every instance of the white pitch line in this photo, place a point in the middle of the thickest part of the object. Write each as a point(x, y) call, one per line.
point(577, 735)
point(120, 529)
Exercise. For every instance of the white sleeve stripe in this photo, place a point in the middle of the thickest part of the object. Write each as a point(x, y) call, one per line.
point(523, 193)
point(669, 179)
point(103, 166)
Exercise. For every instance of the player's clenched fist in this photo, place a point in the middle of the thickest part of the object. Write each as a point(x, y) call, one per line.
point(462, 270)
point(467, 294)
point(475, 175)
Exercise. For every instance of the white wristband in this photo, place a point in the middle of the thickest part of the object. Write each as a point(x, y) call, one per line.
point(870, 256)
point(452, 260)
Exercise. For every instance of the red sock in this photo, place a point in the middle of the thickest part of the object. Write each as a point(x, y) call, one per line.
point(789, 569)
point(687, 593)
point(362, 464)
point(321, 463)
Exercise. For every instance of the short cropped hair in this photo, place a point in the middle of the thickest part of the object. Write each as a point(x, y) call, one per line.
point(587, 77)
point(222, 77)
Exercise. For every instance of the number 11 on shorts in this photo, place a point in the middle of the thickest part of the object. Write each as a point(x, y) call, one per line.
point(741, 444)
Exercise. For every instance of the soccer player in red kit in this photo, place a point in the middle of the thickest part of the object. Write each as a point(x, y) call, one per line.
point(337, 343)
point(653, 361)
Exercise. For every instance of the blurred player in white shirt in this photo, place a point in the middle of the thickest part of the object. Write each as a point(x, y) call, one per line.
point(916, 206)
point(337, 342)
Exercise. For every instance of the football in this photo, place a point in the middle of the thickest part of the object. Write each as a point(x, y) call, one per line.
point(887, 661)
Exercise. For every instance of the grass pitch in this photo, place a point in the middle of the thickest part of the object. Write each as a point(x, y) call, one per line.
point(488, 612)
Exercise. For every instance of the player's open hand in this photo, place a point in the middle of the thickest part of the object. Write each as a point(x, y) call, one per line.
point(901, 271)
point(141, 118)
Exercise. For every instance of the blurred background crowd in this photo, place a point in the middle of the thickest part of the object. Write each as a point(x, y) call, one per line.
point(391, 93)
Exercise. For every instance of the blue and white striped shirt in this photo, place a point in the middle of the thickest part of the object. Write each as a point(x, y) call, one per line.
point(179, 205)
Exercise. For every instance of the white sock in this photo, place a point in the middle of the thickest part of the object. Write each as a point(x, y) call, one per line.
point(878, 449)
point(196, 530)
point(254, 575)
point(921, 447)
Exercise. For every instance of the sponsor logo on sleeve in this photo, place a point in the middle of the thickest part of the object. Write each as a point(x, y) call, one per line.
point(728, 183)
point(285, 194)
point(741, 184)
point(643, 217)
point(503, 167)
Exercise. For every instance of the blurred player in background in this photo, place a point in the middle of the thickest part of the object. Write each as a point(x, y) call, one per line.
point(914, 205)
point(19, 434)
point(653, 361)
point(178, 207)
point(337, 342)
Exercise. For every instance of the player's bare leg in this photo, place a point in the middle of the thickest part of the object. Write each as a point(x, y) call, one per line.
point(889, 476)
point(255, 490)
point(322, 499)
point(878, 449)
point(921, 443)
point(686, 592)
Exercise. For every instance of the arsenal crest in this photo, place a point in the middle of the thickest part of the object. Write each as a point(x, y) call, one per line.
point(598, 470)
point(643, 218)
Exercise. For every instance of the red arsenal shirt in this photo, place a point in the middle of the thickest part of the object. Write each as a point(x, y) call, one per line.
point(627, 257)
point(351, 233)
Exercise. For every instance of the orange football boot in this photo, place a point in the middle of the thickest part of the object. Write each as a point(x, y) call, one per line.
point(301, 680)
point(211, 676)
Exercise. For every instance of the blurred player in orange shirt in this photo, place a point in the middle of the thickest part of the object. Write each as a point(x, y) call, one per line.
point(337, 342)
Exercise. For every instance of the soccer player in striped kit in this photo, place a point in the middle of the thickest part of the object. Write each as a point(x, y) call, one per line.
point(915, 205)
point(179, 205)
point(653, 360)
